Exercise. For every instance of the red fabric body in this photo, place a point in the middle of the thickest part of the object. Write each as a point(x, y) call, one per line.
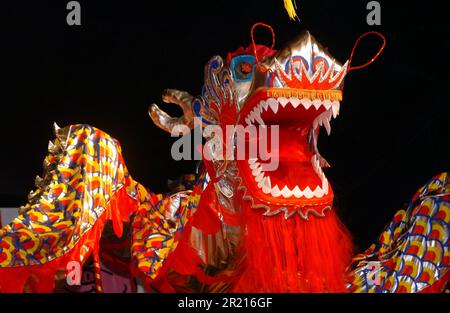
point(295, 255)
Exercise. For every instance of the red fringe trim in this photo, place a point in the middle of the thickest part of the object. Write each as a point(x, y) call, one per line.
point(295, 255)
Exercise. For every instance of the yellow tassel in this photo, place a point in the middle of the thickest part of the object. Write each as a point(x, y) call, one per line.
point(291, 6)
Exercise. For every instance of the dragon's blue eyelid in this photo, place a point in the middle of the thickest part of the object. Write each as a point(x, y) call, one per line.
point(244, 58)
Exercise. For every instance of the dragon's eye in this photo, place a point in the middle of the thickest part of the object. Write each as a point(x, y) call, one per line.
point(242, 67)
point(246, 68)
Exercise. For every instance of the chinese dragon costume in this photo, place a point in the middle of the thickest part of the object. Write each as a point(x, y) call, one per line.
point(234, 225)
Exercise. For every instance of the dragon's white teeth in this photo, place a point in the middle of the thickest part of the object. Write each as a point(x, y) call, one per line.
point(283, 101)
point(317, 121)
point(335, 108)
point(259, 177)
point(264, 105)
point(273, 105)
point(325, 185)
point(326, 123)
point(306, 103)
point(316, 166)
point(255, 115)
point(318, 192)
point(331, 110)
point(294, 102)
point(266, 185)
point(286, 192)
point(256, 171)
point(317, 103)
point(325, 117)
point(276, 191)
point(308, 193)
point(315, 161)
point(297, 192)
point(258, 117)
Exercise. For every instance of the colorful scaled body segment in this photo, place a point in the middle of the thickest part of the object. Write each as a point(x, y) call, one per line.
point(235, 225)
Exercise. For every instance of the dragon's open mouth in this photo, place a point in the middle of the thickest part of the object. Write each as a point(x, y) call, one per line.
point(299, 176)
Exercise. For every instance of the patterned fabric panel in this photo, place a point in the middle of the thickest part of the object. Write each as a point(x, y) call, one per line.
point(412, 253)
point(82, 171)
point(158, 225)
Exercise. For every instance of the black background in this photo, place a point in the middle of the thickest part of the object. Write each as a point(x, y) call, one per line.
point(392, 133)
point(279, 302)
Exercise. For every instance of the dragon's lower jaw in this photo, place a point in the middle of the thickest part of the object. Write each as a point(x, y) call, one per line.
point(296, 186)
point(293, 179)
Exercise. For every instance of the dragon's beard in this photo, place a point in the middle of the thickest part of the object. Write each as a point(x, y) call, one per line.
point(295, 255)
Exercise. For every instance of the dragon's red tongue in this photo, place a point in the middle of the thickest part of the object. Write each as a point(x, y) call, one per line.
point(285, 144)
point(294, 160)
point(293, 174)
point(292, 146)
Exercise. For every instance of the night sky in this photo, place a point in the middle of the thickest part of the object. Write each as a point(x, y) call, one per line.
point(392, 133)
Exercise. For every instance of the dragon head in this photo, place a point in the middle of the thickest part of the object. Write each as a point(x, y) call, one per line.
point(299, 89)
point(296, 91)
